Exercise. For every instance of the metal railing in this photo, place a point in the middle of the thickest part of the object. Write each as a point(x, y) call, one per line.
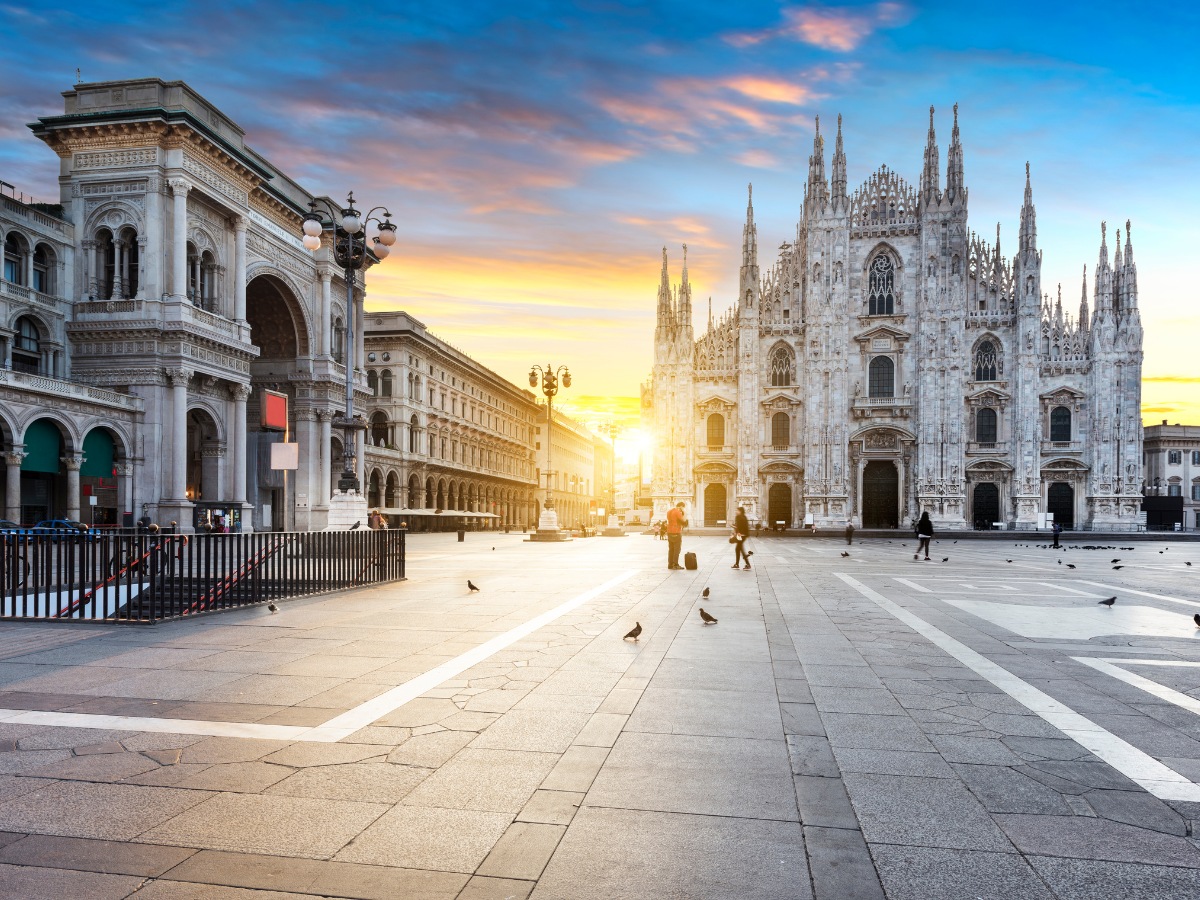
point(123, 577)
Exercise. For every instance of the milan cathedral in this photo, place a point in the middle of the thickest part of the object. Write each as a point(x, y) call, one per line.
point(891, 361)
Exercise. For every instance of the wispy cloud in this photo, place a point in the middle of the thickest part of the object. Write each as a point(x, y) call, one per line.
point(829, 28)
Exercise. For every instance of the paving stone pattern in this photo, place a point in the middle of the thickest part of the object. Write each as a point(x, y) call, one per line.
point(809, 745)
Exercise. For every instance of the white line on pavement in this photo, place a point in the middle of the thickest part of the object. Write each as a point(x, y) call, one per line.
point(1125, 590)
point(1161, 691)
point(1158, 779)
point(339, 726)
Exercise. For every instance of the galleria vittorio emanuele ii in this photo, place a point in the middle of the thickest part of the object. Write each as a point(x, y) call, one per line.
point(891, 360)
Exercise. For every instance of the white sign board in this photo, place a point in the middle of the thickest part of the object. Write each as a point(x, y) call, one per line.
point(285, 456)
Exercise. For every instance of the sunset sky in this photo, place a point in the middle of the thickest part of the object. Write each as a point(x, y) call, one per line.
point(538, 156)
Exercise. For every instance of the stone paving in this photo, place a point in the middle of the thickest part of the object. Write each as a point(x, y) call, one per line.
point(859, 726)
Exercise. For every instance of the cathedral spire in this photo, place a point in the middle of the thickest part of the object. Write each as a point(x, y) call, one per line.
point(1129, 272)
point(664, 295)
point(817, 189)
point(931, 174)
point(1028, 236)
point(684, 310)
point(1103, 289)
point(1083, 303)
point(749, 232)
point(954, 164)
point(838, 184)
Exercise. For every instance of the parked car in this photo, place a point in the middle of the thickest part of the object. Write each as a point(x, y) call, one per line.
point(10, 527)
point(60, 528)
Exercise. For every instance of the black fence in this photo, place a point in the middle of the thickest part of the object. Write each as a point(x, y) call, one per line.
point(124, 577)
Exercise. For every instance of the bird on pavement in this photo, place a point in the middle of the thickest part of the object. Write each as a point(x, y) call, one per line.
point(1070, 565)
point(1117, 567)
point(844, 553)
point(704, 593)
point(1187, 563)
point(1196, 619)
point(1008, 560)
point(633, 632)
point(1108, 601)
point(1059, 561)
point(706, 618)
point(1115, 560)
point(272, 607)
point(945, 559)
point(471, 587)
point(355, 526)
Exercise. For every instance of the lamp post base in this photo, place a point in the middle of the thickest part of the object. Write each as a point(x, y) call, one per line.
point(346, 508)
point(547, 530)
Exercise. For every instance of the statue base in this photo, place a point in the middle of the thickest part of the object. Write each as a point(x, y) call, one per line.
point(346, 508)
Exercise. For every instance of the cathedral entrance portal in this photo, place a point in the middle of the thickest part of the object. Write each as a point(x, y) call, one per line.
point(1060, 500)
point(985, 503)
point(779, 505)
point(714, 505)
point(881, 495)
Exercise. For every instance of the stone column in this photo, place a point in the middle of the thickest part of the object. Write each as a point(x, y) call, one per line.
point(360, 442)
point(72, 464)
point(179, 260)
point(12, 484)
point(323, 488)
point(360, 322)
point(239, 268)
point(179, 379)
point(237, 441)
point(89, 270)
point(125, 490)
point(323, 338)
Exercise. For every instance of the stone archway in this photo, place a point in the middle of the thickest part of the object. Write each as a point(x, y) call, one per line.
point(276, 317)
point(881, 495)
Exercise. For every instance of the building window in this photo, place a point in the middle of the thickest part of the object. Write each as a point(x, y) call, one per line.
point(783, 367)
point(985, 426)
point(27, 347)
point(1060, 424)
point(385, 383)
point(985, 362)
point(1196, 491)
point(14, 259)
point(1174, 457)
point(373, 382)
point(881, 297)
point(43, 268)
point(1174, 490)
point(1196, 457)
point(716, 431)
point(413, 428)
point(882, 377)
point(781, 431)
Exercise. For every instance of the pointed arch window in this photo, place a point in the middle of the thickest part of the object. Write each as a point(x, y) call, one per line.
point(783, 367)
point(881, 286)
point(882, 377)
point(986, 361)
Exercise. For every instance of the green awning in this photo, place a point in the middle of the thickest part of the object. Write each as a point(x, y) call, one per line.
point(43, 447)
point(99, 452)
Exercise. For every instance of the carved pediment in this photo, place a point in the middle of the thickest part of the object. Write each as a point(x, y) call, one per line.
point(1063, 465)
point(989, 465)
point(715, 403)
point(883, 437)
point(895, 337)
point(781, 467)
point(989, 396)
point(716, 469)
point(780, 403)
point(1063, 395)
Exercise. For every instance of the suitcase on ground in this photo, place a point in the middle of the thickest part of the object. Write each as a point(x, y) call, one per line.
point(689, 560)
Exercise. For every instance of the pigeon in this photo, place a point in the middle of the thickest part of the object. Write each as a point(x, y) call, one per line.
point(272, 607)
point(704, 593)
point(1108, 602)
point(1070, 565)
point(355, 526)
point(1196, 619)
point(1115, 560)
point(1160, 552)
point(945, 559)
point(844, 553)
point(706, 618)
point(1059, 561)
point(1008, 560)
point(1117, 567)
point(471, 587)
point(634, 632)
point(1187, 563)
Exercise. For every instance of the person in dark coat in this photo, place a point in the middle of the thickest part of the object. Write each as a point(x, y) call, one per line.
point(849, 533)
point(741, 531)
point(924, 533)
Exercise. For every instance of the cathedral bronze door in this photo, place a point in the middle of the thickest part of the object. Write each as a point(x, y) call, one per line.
point(881, 495)
point(1060, 500)
point(985, 504)
point(715, 509)
point(779, 505)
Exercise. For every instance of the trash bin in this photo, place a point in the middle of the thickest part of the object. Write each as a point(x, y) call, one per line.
point(462, 535)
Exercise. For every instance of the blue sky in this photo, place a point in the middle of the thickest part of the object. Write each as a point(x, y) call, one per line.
point(539, 155)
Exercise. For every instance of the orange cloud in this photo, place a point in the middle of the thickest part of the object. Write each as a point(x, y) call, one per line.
point(829, 28)
point(758, 159)
point(773, 90)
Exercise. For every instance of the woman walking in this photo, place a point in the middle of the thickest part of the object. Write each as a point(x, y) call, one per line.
point(924, 533)
point(741, 531)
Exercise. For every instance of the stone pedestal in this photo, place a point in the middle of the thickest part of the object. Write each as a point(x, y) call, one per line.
point(346, 508)
point(177, 511)
point(1026, 511)
point(613, 528)
point(547, 530)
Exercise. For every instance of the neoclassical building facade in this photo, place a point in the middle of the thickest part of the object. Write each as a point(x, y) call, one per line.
point(449, 441)
point(891, 360)
point(141, 318)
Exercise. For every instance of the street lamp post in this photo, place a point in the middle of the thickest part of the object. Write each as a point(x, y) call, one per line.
point(612, 527)
point(550, 377)
point(353, 254)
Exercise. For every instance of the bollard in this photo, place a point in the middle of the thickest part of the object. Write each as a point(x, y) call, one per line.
point(462, 535)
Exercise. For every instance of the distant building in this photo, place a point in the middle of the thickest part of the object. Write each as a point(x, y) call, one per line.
point(568, 472)
point(449, 441)
point(1172, 455)
point(891, 361)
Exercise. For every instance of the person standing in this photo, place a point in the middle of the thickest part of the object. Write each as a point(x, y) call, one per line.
point(924, 533)
point(741, 531)
point(1057, 529)
point(675, 525)
point(849, 532)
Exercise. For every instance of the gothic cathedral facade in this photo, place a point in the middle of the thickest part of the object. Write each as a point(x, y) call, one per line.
point(892, 361)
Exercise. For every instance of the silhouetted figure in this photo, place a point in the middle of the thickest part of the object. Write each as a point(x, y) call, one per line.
point(849, 533)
